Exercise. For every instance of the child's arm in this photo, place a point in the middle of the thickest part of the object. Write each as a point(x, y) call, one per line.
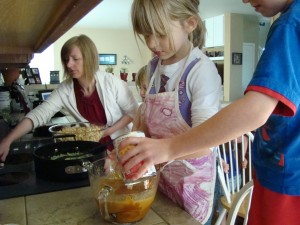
point(244, 163)
point(139, 124)
point(137, 120)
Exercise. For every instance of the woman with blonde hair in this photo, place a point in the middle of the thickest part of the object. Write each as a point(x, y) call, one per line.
point(87, 94)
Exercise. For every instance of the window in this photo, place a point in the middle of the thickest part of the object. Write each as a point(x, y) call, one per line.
point(107, 59)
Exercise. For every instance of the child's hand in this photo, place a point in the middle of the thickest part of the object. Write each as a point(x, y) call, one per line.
point(111, 154)
point(245, 163)
point(225, 166)
point(146, 151)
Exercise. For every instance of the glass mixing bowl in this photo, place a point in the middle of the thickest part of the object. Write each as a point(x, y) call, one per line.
point(120, 203)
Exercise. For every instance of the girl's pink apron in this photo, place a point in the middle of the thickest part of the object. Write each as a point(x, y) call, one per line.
point(189, 183)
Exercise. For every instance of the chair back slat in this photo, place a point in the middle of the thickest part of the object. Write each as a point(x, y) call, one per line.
point(231, 165)
point(243, 159)
point(237, 162)
point(250, 140)
point(226, 161)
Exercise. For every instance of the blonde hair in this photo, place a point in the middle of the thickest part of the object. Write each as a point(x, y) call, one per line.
point(155, 16)
point(89, 55)
point(141, 76)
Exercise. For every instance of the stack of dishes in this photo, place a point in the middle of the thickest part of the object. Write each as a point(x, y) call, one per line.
point(5, 100)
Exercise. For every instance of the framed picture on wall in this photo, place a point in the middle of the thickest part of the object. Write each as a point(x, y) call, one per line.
point(107, 59)
point(236, 58)
point(33, 76)
point(54, 77)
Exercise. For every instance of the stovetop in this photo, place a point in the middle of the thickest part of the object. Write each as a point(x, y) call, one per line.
point(18, 178)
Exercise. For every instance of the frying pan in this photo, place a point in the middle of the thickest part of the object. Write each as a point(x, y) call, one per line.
point(66, 170)
point(42, 131)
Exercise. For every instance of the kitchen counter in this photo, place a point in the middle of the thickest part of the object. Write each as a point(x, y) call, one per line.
point(76, 206)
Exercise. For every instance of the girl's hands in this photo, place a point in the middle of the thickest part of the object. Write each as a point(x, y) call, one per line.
point(225, 166)
point(147, 151)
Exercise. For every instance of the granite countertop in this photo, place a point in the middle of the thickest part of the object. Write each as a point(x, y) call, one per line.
point(76, 206)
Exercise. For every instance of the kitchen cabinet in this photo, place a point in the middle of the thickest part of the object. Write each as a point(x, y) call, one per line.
point(218, 58)
point(209, 39)
point(214, 31)
point(29, 27)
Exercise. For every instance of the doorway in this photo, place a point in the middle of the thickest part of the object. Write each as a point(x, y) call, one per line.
point(248, 64)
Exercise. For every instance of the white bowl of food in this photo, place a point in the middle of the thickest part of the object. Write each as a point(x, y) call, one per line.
point(80, 131)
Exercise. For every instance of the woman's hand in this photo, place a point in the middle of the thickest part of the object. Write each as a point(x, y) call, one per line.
point(4, 149)
point(146, 151)
point(21, 129)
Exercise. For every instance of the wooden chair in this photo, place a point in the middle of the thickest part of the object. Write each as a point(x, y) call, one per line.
point(233, 154)
point(241, 204)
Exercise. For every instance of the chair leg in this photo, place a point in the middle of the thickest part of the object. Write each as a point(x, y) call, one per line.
point(241, 195)
point(221, 216)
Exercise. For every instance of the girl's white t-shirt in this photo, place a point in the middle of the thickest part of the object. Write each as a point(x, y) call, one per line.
point(203, 84)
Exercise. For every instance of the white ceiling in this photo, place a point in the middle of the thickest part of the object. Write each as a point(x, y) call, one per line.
point(115, 14)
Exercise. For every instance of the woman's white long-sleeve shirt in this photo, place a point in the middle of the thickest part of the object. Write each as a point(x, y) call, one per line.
point(116, 97)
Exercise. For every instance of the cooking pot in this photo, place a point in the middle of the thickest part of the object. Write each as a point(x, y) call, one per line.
point(62, 161)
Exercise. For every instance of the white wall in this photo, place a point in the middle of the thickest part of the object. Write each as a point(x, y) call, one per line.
point(45, 63)
point(238, 29)
point(120, 42)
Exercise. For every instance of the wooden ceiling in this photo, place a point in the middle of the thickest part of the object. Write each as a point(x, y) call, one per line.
point(30, 26)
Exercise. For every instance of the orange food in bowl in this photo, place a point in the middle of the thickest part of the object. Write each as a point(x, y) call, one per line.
point(127, 204)
point(129, 210)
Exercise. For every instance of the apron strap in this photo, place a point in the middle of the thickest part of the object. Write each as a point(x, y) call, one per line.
point(183, 100)
point(153, 65)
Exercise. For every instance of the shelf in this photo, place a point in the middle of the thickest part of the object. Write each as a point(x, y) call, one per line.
point(219, 58)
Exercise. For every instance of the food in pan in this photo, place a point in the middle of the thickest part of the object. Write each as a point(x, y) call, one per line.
point(78, 131)
point(91, 133)
point(71, 156)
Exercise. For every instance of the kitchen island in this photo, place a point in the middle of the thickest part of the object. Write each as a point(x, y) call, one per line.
point(77, 207)
point(72, 205)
